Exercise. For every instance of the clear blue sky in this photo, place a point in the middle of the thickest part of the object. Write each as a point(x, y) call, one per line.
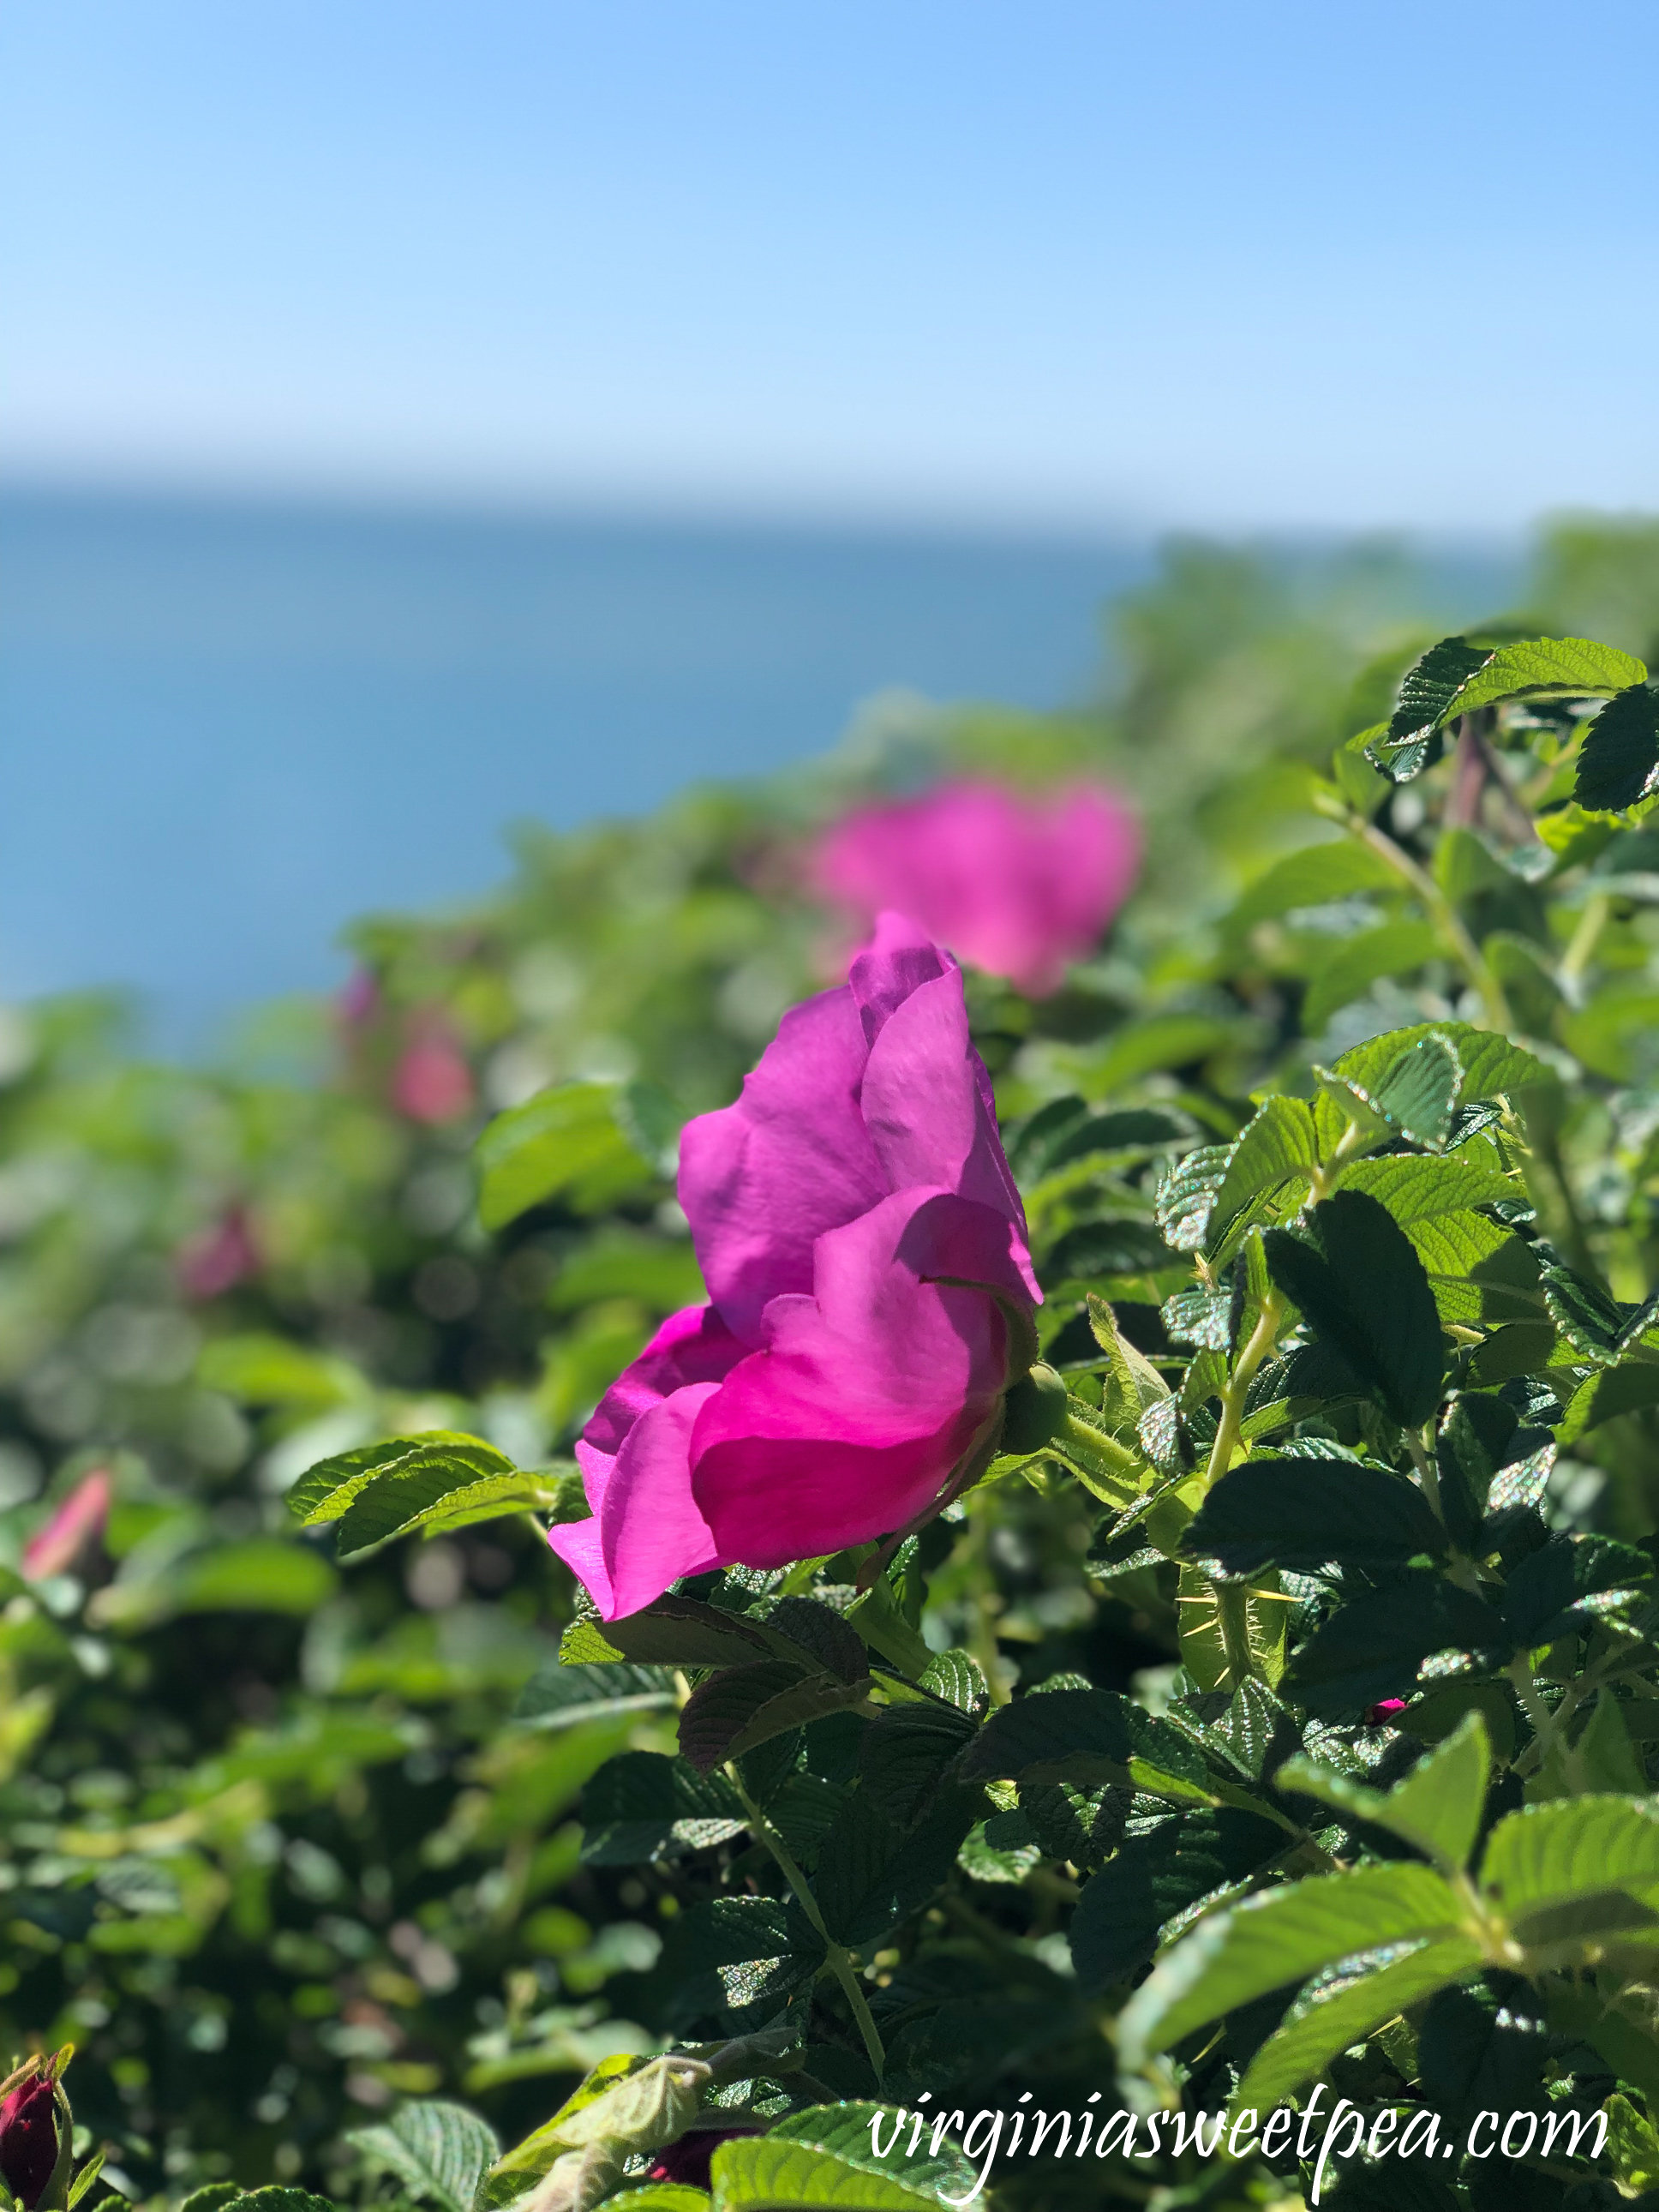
point(1180, 260)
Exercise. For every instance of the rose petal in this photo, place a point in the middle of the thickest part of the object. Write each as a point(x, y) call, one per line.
point(647, 1531)
point(692, 1346)
point(866, 1395)
point(760, 1181)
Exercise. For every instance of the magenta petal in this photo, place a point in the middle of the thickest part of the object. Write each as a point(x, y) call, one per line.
point(958, 1239)
point(900, 958)
point(646, 1529)
point(692, 1346)
point(760, 1181)
point(848, 1424)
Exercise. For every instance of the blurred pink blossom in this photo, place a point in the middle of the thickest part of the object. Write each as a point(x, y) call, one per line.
point(359, 999)
point(865, 1248)
point(432, 1082)
point(77, 1523)
point(219, 1257)
point(1018, 886)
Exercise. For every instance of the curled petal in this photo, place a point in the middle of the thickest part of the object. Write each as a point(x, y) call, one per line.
point(646, 1529)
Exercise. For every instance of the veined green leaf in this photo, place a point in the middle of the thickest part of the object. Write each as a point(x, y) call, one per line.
point(1547, 668)
point(1437, 1806)
point(561, 1693)
point(1603, 1396)
point(438, 2151)
point(325, 1491)
point(1493, 1066)
point(1415, 1188)
point(824, 2158)
point(1299, 1513)
point(1373, 1647)
point(1571, 1852)
point(1426, 692)
point(1153, 1877)
point(1619, 755)
point(1282, 1936)
point(743, 1707)
point(400, 1497)
point(1277, 1144)
point(1364, 1291)
point(673, 1632)
point(1315, 2031)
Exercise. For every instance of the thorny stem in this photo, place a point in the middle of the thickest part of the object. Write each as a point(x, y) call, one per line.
point(1259, 1343)
point(1232, 1602)
point(1543, 1721)
point(838, 1961)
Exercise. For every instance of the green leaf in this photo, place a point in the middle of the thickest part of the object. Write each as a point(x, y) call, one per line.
point(1300, 1513)
point(569, 1143)
point(904, 1754)
point(1493, 1066)
point(1437, 1807)
point(1373, 1648)
point(640, 1802)
point(824, 2158)
point(1085, 1736)
point(1620, 752)
point(1575, 1868)
point(872, 1874)
point(1414, 1189)
point(1315, 876)
point(1397, 948)
point(1281, 1936)
point(261, 1575)
point(1187, 1195)
point(1279, 1143)
point(743, 1707)
point(823, 1636)
point(671, 1632)
point(434, 1477)
point(1602, 1397)
point(750, 1953)
point(958, 1678)
point(1549, 668)
point(559, 1694)
point(325, 1491)
point(1364, 1293)
point(1425, 698)
point(1413, 1094)
point(438, 2151)
point(1318, 2030)
point(660, 2196)
point(1157, 1876)
point(1573, 1583)
point(1592, 1322)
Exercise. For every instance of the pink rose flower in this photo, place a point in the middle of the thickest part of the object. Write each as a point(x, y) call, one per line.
point(77, 1523)
point(432, 1082)
point(1017, 886)
point(860, 1234)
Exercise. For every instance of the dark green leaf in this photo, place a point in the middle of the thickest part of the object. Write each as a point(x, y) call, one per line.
point(1300, 1513)
point(1156, 1876)
point(1620, 752)
point(1373, 1648)
point(1573, 1583)
point(906, 1751)
point(824, 2158)
point(438, 2151)
point(640, 1802)
point(742, 1707)
point(559, 1694)
point(1364, 1293)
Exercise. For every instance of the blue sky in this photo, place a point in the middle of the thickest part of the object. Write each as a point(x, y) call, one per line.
point(1285, 264)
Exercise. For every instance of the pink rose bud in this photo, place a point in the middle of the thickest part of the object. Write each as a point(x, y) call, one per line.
point(1385, 1712)
point(860, 1234)
point(72, 1530)
point(28, 2140)
point(220, 1258)
point(1017, 886)
point(432, 1082)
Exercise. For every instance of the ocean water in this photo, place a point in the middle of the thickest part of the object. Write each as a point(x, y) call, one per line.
point(227, 728)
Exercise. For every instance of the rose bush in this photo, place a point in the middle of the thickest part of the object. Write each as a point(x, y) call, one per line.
point(1016, 885)
point(865, 1252)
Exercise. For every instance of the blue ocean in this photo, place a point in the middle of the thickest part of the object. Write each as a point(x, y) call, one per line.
point(230, 726)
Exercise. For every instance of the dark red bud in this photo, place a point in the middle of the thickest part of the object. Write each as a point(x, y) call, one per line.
point(1385, 1713)
point(687, 2160)
point(28, 2141)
